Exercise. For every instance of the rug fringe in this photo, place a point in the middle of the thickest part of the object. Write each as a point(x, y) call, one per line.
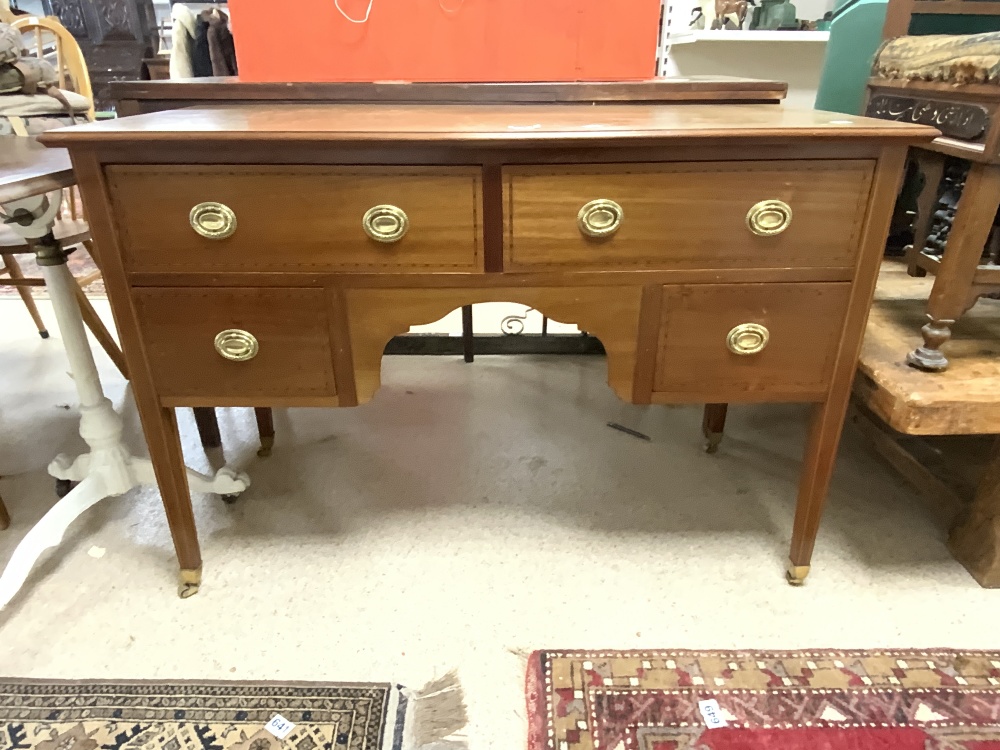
point(436, 712)
point(524, 654)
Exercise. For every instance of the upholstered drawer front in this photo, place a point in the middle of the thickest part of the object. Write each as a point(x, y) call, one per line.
point(749, 342)
point(697, 215)
point(259, 218)
point(237, 343)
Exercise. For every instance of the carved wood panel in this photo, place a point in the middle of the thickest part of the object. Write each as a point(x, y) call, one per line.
point(968, 122)
point(114, 35)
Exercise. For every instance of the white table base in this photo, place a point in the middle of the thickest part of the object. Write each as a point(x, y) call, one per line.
point(109, 469)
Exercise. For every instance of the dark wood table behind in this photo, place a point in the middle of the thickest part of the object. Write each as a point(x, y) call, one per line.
point(138, 97)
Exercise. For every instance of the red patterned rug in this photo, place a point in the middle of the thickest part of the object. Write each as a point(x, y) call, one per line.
point(778, 700)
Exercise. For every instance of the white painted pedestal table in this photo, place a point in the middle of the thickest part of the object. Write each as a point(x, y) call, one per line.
point(31, 182)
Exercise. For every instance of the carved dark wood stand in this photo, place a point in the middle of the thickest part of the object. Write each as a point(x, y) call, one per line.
point(953, 236)
point(115, 37)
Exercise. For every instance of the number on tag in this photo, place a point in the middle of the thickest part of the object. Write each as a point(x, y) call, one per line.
point(279, 726)
point(712, 713)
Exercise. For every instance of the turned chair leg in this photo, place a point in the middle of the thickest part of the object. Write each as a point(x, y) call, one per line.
point(713, 425)
point(208, 426)
point(265, 427)
point(11, 266)
point(931, 166)
point(467, 337)
point(952, 293)
point(4, 516)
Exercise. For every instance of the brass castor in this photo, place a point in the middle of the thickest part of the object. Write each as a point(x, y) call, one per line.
point(190, 582)
point(266, 443)
point(712, 441)
point(229, 499)
point(796, 574)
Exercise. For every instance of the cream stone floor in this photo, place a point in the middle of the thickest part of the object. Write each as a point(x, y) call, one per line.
point(469, 514)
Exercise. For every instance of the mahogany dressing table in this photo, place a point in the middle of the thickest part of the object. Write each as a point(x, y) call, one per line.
point(721, 252)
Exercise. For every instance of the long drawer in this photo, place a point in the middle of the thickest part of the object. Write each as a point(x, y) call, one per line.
point(239, 345)
point(298, 218)
point(696, 215)
point(749, 342)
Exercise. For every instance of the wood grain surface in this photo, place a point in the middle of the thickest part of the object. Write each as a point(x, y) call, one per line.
point(27, 168)
point(520, 124)
point(179, 328)
point(139, 95)
point(298, 218)
point(804, 322)
point(827, 422)
point(962, 400)
point(686, 215)
point(376, 315)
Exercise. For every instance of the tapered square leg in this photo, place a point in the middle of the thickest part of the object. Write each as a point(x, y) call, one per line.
point(713, 425)
point(208, 427)
point(265, 429)
point(817, 470)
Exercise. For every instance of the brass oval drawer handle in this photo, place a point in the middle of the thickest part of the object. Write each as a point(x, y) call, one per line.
point(768, 218)
point(386, 223)
point(236, 344)
point(600, 218)
point(748, 338)
point(214, 221)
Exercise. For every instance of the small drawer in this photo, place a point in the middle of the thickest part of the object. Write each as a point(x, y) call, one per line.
point(259, 218)
point(236, 344)
point(687, 216)
point(749, 342)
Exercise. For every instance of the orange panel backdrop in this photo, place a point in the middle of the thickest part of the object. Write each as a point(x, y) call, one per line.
point(446, 40)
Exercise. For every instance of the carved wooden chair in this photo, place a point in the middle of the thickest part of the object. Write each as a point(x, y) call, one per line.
point(48, 39)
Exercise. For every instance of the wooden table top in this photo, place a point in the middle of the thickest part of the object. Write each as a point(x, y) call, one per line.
point(962, 400)
point(522, 124)
point(691, 88)
point(27, 168)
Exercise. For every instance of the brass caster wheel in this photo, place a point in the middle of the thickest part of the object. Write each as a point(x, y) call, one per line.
point(266, 443)
point(64, 486)
point(229, 499)
point(187, 590)
point(190, 582)
point(712, 443)
point(796, 574)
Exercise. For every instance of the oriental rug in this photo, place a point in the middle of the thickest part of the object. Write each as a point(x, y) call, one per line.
point(74, 715)
point(936, 699)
